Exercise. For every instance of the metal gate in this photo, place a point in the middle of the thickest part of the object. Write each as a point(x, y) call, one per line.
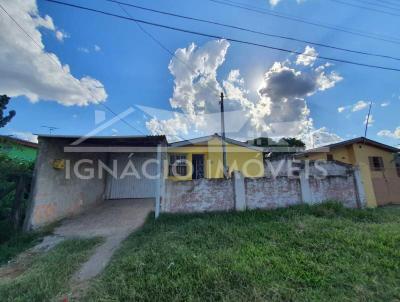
point(132, 179)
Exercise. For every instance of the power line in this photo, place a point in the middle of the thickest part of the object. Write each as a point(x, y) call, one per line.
point(159, 43)
point(389, 2)
point(253, 31)
point(305, 21)
point(366, 8)
point(122, 119)
point(27, 34)
point(214, 36)
point(57, 63)
point(378, 4)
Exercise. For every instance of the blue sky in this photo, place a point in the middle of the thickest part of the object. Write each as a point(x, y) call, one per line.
point(134, 69)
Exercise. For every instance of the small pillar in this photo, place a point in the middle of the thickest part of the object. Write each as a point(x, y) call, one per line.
point(306, 196)
point(239, 191)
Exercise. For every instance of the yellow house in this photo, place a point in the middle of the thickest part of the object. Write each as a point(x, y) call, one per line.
point(202, 158)
point(379, 166)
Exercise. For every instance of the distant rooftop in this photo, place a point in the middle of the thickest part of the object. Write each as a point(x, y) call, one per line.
point(19, 141)
point(358, 140)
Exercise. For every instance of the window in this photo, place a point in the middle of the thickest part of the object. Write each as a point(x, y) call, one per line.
point(376, 163)
point(398, 169)
point(177, 165)
point(329, 157)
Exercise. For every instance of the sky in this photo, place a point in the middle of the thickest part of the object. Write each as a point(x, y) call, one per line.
point(77, 69)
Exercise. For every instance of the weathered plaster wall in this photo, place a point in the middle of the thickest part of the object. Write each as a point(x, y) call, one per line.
point(340, 188)
point(53, 195)
point(202, 195)
point(269, 193)
point(342, 183)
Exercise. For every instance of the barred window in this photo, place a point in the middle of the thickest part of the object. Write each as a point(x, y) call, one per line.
point(376, 163)
point(177, 165)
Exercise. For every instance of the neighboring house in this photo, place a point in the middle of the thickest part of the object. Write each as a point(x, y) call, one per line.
point(18, 148)
point(379, 165)
point(202, 158)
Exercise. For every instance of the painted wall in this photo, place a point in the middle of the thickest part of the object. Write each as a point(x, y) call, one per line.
point(54, 196)
point(358, 155)
point(387, 177)
point(248, 161)
point(18, 151)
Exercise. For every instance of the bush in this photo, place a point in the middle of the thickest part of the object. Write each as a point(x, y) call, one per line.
point(10, 170)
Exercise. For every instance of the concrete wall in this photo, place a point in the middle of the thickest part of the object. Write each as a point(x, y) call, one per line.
point(53, 196)
point(202, 195)
point(342, 183)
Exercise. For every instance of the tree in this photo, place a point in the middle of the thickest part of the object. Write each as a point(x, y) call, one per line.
point(283, 142)
point(5, 119)
point(294, 142)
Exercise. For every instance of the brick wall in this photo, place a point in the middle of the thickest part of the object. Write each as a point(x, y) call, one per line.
point(201, 195)
point(269, 193)
point(310, 185)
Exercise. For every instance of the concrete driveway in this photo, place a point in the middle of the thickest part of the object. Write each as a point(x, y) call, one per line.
point(111, 217)
point(114, 220)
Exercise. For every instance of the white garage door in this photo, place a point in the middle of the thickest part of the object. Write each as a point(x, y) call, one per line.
point(132, 179)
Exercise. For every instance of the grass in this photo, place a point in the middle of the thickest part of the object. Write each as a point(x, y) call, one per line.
point(49, 274)
point(18, 241)
point(303, 253)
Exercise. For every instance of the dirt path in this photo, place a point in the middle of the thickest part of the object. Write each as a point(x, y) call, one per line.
point(113, 220)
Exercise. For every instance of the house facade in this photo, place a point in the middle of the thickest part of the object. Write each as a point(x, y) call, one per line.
point(18, 148)
point(379, 165)
point(202, 158)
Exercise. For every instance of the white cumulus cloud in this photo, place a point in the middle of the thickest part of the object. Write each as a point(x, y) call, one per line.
point(274, 3)
point(61, 35)
point(27, 69)
point(279, 109)
point(308, 57)
point(369, 119)
point(360, 105)
point(391, 134)
point(26, 136)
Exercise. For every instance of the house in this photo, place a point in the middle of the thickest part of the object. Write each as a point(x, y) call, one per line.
point(275, 150)
point(379, 166)
point(74, 173)
point(202, 158)
point(18, 148)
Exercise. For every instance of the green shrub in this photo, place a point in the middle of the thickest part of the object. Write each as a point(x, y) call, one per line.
point(10, 170)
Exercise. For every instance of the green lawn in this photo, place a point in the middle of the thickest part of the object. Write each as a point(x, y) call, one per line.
point(16, 242)
point(49, 274)
point(324, 253)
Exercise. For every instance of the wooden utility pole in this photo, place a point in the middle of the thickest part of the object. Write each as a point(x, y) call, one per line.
point(223, 136)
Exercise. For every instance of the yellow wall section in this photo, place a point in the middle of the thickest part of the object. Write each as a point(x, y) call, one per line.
point(358, 155)
point(248, 161)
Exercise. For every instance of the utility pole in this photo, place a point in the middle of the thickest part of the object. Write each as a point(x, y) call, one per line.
point(223, 136)
point(367, 121)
